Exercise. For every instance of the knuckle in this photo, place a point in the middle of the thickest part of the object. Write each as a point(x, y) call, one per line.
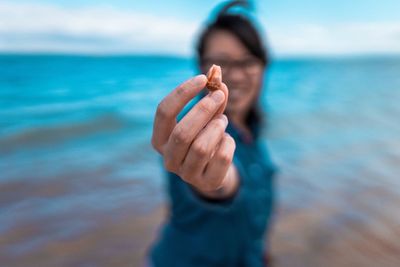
point(207, 107)
point(169, 165)
point(220, 124)
point(225, 158)
point(162, 110)
point(230, 141)
point(185, 176)
point(200, 149)
point(180, 136)
point(181, 90)
point(154, 144)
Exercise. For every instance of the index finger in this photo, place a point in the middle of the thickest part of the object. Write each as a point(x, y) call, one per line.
point(169, 108)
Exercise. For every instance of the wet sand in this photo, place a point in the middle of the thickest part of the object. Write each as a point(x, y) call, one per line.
point(120, 239)
point(365, 233)
point(338, 202)
point(108, 244)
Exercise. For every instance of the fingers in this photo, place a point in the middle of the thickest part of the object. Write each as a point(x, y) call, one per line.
point(219, 164)
point(187, 129)
point(169, 108)
point(203, 147)
point(225, 90)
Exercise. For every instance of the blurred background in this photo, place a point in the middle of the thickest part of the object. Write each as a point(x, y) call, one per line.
point(79, 84)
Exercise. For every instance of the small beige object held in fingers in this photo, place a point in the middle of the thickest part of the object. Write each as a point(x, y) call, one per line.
point(214, 77)
point(196, 147)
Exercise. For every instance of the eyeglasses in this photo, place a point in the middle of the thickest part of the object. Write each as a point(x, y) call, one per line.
point(250, 66)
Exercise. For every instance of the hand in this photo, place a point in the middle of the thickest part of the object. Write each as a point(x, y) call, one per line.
point(197, 148)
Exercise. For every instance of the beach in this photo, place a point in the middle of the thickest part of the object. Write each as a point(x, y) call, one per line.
point(80, 184)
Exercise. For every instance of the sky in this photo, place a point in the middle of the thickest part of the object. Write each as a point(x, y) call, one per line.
point(292, 27)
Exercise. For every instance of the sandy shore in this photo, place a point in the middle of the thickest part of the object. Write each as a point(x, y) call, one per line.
point(365, 234)
point(323, 234)
point(120, 241)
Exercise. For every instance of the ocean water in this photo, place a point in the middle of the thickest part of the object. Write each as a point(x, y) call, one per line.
point(75, 147)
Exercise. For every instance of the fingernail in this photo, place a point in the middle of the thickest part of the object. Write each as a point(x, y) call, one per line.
point(224, 118)
point(199, 79)
point(218, 96)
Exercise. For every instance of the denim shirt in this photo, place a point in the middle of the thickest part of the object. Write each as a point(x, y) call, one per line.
point(228, 233)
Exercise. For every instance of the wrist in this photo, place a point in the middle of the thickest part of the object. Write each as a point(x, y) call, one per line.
point(228, 188)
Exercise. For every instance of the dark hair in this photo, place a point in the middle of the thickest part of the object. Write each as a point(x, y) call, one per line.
point(241, 27)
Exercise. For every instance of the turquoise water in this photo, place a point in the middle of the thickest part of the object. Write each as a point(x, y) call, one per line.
point(76, 107)
point(75, 131)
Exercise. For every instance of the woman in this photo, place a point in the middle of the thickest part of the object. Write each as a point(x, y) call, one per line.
point(219, 175)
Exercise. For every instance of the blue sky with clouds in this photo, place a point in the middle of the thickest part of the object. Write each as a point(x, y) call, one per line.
point(293, 27)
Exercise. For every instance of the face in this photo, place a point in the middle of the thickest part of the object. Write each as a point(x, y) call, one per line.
point(241, 71)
